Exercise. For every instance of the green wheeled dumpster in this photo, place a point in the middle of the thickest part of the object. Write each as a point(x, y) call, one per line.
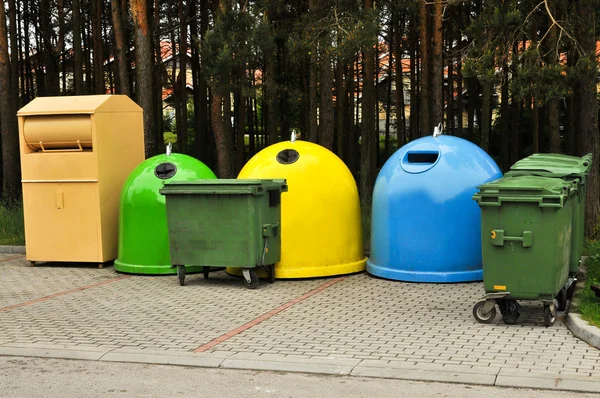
point(526, 237)
point(568, 168)
point(225, 223)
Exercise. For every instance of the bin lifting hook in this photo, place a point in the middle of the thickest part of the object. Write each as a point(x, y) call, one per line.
point(169, 146)
point(293, 137)
point(437, 130)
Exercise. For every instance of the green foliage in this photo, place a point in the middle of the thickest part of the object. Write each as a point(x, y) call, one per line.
point(231, 47)
point(12, 230)
point(339, 29)
point(586, 302)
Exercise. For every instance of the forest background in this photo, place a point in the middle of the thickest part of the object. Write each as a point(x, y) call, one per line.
point(222, 79)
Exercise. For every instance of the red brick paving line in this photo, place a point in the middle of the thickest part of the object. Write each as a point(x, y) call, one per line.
point(11, 258)
point(266, 316)
point(46, 298)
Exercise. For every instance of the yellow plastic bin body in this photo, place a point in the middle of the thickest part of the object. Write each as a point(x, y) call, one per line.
point(321, 228)
point(76, 153)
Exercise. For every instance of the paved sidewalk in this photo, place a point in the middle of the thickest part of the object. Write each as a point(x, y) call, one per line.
point(357, 325)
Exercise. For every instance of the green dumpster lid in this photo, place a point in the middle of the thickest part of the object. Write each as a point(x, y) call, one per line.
point(545, 191)
point(554, 165)
point(225, 186)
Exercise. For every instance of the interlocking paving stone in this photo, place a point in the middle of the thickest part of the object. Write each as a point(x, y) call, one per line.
point(422, 323)
point(361, 318)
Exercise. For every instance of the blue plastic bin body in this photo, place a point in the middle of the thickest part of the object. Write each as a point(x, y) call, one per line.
point(425, 226)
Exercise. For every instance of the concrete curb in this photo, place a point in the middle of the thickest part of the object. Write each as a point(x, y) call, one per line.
point(12, 249)
point(483, 375)
point(580, 328)
point(583, 330)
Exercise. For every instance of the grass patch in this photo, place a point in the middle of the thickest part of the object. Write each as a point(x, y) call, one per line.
point(585, 301)
point(12, 231)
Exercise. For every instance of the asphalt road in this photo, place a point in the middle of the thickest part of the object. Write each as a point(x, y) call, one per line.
point(39, 377)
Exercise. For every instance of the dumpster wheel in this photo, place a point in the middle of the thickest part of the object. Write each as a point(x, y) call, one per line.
point(250, 274)
point(510, 310)
point(480, 316)
point(549, 315)
point(181, 274)
point(561, 299)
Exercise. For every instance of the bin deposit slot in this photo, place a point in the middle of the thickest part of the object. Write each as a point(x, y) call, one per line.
point(422, 157)
point(165, 170)
point(287, 156)
point(58, 133)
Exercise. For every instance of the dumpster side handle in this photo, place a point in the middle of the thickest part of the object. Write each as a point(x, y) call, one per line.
point(498, 238)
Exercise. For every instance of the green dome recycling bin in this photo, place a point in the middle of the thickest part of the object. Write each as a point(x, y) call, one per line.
point(526, 244)
point(143, 232)
point(567, 168)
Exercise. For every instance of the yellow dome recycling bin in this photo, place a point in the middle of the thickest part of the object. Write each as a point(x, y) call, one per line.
point(76, 153)
point(320, 214)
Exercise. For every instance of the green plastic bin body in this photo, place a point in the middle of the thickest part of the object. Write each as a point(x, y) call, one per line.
point(526, 236)
point(143, 231)
point(567, 168)
point(224, 223)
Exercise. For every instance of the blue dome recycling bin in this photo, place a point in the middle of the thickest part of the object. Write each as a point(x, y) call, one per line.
point(425, 226)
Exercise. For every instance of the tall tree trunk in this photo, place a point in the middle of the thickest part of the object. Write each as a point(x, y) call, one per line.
point(553, 104)
point(240, 122)
point(14, 52)
point(160, 76)
point(222, 140)
point(425, 72)
point(351, 154)
point(437, 65)
point(200, 131)
point(99, 83)
point(473, 92)
point(486, 115)
point(144, 61)
point(312, 99)
point(515, 117)
point(504, 138)
point(341, 104)
point(220, 116)
point(61, 43)
point(571, 128)
point(368, 148)
point(77, 49)
point(120, 47)
point(414, 88)
point(227, 127)
point(250, 118)
point(535, 125)
point(460, 109)
point(182, 83)
point(27, 50)
point(21, 68)
point(304, 78)
point(450, 117)
point(269, 83)
point(400, 114)
point(87, 45)
point(388, 89)
point(49, 55)
point(9, 139)
point(588, 139)
point(204, 122)
point(326, 114)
